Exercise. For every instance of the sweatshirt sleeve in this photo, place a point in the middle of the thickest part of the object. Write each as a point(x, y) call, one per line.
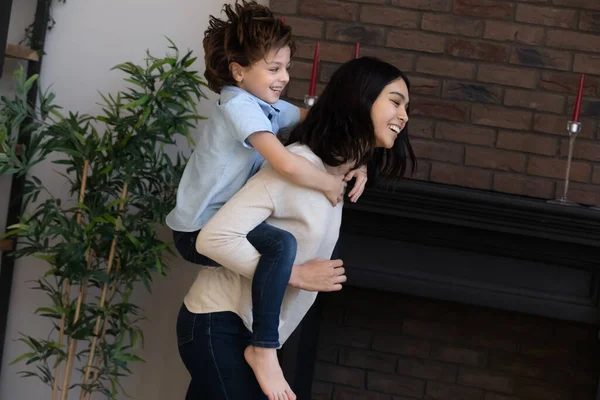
point(223, 238)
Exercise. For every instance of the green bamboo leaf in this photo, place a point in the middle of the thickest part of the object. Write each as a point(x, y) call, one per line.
point(79, 137)
point(71, 152)
point(144, 116)
point(49, 259)
point(45, 309)
point(100, 220)
point(132, 239)
point(131, 357)
point(30, 81)
point(139, 102)
point(157, 64)
point(135, 82)
point(32, 360)
point(128, 67)
point(21, 227)
point(118, 223)
point(158, 265)
point(116, 202)
point(172, 44)
point(50, 271)
point(55, 345)
point(21, 358)
point(189, 62)
point(34, 343)
point(106, 169)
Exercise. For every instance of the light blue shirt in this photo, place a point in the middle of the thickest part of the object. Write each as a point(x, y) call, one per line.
point(223, 159)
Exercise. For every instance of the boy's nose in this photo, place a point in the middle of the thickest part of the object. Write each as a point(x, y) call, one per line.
point(285, 76)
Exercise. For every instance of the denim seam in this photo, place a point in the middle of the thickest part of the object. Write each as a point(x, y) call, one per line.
point(269, 274)
point(194, 327)
point(262, 292)
point(212, 353)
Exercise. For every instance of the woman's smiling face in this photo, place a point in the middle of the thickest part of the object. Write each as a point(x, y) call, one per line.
point(389, 113)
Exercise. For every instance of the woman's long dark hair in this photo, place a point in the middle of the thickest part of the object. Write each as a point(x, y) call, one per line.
point(339, 129)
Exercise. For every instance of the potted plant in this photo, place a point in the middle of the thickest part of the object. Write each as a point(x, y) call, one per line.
point(101, 244)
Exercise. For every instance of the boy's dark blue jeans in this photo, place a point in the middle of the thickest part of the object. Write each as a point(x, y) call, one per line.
point(278, 252)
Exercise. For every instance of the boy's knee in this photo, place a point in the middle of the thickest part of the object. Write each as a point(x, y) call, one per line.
point(289, 243)
point(285, 246)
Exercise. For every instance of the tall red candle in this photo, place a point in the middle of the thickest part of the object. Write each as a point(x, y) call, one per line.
point(313, 77)
point(578, 101)
point(357, 50)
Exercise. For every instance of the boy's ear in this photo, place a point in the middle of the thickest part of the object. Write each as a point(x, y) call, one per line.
point(237, 71)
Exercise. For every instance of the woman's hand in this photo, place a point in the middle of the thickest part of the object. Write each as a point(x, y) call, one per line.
point(319, 275)
point(359, 186)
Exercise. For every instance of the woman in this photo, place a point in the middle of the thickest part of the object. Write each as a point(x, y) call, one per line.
point(361, 116)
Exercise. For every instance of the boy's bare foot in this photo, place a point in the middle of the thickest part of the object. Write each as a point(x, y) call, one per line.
point(270, 377)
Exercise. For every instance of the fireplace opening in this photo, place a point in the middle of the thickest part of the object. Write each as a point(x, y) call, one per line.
point(377, 345)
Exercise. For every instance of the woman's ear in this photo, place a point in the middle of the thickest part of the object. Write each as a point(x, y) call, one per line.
point(237, 71)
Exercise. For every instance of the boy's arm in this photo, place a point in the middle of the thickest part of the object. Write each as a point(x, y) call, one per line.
point(297, 169)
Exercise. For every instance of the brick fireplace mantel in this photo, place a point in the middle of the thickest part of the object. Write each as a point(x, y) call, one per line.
point(476, 247)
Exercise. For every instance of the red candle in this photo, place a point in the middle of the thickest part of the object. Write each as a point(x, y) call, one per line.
point(313, 78)
point(357, 50)
point(578, 101)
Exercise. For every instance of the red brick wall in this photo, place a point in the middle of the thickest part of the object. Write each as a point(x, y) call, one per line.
point(494, 82)
point(415, 348)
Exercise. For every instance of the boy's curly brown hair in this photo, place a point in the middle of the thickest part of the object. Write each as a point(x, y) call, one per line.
point(248, 33)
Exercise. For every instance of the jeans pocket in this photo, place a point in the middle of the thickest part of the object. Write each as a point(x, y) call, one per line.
point(186, 322)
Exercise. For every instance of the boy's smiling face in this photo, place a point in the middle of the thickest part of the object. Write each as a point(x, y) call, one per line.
point(266, 78)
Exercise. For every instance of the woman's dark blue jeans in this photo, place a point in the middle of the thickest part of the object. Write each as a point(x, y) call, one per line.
point(278, 252)
point(212, 349)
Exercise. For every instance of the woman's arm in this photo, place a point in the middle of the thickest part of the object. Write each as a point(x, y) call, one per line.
point(223, 238)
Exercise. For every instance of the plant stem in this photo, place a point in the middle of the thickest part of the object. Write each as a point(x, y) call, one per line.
point(111, 258)
point(97, 361)
point(65, 300)
point(73, 342)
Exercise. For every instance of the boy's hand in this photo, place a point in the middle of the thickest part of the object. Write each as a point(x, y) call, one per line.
point(335, 194)
point(359, 186)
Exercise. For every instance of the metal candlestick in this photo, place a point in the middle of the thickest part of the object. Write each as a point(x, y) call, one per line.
point(309, 100)
point(573, 128)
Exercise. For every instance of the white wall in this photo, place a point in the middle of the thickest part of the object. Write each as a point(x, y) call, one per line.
point(89, 38)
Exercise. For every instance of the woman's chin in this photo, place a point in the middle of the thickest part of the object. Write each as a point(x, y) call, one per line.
point(386, 144)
